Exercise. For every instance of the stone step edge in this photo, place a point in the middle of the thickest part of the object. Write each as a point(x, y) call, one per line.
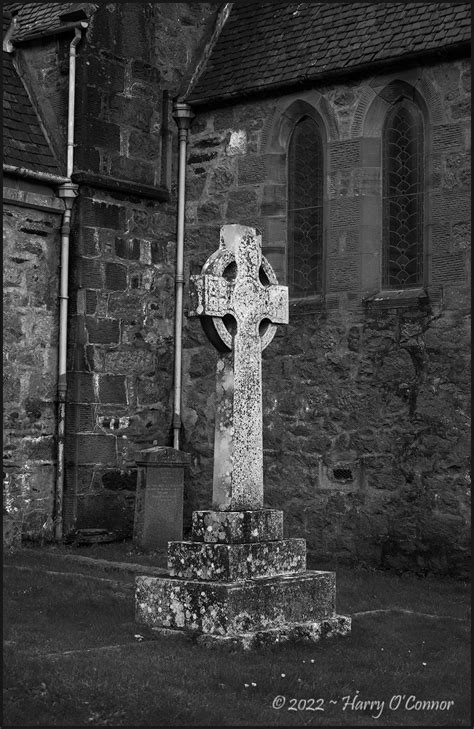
point(309, 632)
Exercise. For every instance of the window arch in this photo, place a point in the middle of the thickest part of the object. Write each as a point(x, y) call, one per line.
point(403, 191)
point(305, 209)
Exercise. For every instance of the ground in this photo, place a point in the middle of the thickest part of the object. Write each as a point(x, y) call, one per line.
point(74, 655)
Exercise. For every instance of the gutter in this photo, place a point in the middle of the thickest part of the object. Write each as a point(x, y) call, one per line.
point(182, 115)
point(24, 172)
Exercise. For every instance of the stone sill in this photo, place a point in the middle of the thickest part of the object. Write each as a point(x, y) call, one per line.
point(395, 298)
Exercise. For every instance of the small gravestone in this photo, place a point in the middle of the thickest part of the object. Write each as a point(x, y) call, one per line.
point(159, 497)
point(238, 581)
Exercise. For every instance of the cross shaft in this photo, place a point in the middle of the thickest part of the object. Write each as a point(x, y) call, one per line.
point(239, 302)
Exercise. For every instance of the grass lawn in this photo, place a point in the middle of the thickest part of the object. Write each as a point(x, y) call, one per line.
point(75, 657)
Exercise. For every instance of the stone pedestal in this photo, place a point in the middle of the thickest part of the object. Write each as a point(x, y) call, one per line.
point(159, 498)
point(239, 583)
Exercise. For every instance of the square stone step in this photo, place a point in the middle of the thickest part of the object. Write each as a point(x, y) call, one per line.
point(234, 608)
point(229, 562)
point(311, 632)
point(237, 527)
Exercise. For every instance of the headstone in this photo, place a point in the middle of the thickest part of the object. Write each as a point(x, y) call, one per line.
point(159, 497)
point(238, 580)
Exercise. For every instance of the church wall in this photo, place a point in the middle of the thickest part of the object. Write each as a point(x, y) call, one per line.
point(365, 402)
point(123, 253)
point(30, 326)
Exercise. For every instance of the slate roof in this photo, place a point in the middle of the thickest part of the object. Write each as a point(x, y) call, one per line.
point(270, 44)
point(24, 142)
point(40, 17)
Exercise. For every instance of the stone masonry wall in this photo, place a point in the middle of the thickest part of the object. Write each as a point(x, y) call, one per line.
point(366, 401)
point(30, 327)
point(130, 65)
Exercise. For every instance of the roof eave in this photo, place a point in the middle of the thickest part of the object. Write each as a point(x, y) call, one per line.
point(48, 32)
point(309, 79)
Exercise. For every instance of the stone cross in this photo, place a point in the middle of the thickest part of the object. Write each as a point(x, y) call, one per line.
point(239, 303)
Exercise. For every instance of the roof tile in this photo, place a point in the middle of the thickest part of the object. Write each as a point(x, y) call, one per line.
point(24, 142)
point(282, 42)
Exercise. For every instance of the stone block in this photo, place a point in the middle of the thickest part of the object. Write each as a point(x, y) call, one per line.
point(96, 449)
point(100, 214)
point(103, 331)
point(128, 248)
point(90, 273)
point(229, 562)
point(112, 389)
point(234, 608)
point(237, 527)
point(115, 277)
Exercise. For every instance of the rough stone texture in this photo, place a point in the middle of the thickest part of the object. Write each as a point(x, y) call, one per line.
point(236, 607)
point(129, 66)
point(237, 527)
point(365, 406)
point(229, 562)
point(239, 302)
point(30, 325)
point(309, 633)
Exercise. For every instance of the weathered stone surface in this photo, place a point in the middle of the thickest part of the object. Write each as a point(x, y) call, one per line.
point(229, 562)
point(239, 301)
point(311, 632)
point(236, 607)
point(237, 527)
point(30, 328)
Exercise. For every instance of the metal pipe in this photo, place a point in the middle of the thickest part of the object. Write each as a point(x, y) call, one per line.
point(71, 99)
point(47, 177)
point(68, 192)
point(183, 115)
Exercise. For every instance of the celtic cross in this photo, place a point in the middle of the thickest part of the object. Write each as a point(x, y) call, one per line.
point(239, 302)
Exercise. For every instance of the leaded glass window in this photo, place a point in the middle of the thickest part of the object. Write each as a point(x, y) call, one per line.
point(403, 197)
point(305, 209)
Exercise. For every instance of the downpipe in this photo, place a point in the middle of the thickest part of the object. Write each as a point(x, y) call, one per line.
point(67, 192)
point(182, 114)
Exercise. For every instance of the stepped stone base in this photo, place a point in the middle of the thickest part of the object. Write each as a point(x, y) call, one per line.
point(234, 608)
point(311, 632)
point(237, 527)
point(238, 583)
point(229, 562)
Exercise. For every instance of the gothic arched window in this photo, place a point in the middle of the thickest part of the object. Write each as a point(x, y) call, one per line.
point(403, 173)
point(305, 209)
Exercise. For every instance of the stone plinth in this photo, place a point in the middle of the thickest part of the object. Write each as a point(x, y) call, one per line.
point(236, 594)
point(228, 562)
point(159, 497)
point(234, 608)
point(237, 527)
